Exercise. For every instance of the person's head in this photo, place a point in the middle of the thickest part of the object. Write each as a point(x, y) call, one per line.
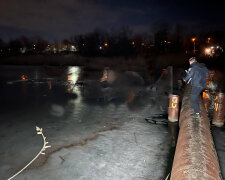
point(192, 60)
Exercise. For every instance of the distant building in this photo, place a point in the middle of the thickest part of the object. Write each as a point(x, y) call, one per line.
point(60, 47)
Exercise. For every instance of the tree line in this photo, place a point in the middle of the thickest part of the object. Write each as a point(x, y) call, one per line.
point(122, 42)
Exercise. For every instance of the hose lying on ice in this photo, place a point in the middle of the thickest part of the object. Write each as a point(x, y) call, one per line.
point(39, 131)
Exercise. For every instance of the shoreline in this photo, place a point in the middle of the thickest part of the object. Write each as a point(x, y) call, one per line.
point(96, 62)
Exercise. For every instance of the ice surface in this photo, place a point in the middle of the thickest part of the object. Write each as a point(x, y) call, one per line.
point(92, 137)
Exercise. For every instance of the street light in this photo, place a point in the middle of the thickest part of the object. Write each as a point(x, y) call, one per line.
point(209, 40)
point(106, 44)
point(193, 40)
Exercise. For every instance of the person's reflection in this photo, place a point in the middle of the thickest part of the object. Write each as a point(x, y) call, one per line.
point(173, 128)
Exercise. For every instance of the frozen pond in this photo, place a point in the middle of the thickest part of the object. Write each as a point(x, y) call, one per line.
point(94, 121)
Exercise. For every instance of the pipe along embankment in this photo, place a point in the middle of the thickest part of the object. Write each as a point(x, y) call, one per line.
point(195, 157)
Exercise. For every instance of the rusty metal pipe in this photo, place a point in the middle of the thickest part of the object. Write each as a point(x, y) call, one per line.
point(195, 157)
point(219, 111)
point(173, 109)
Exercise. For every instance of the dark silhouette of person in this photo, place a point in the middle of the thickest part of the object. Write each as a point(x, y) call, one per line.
point(196, 75)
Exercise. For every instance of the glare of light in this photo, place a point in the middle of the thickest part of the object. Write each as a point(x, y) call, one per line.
point(193, 39)
point(23, 77)
point(100, 47)
point(105, 76)
point(212, 47)
point(217, 47)
point(142, 44)
point(68, 78)
point(208, 51)
point(106, 44)
point(133, 43)
point(209, 39)
point(73, 73)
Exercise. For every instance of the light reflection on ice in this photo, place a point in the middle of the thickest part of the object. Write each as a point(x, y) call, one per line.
point(72, 77)
point(73, 74)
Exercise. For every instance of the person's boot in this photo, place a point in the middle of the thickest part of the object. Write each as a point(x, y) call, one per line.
point(195, 115)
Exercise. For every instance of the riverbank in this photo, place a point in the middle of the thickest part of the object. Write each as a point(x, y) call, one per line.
point(123, 63)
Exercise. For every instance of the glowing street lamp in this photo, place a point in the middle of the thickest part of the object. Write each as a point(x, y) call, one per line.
point(208, 40)
point(23, 77)
point(193, 40)
point(106, 44)
point(208, 51)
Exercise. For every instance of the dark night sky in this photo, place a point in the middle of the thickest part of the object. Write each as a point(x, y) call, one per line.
point(56, 19)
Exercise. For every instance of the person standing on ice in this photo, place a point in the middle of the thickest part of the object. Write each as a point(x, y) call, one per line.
point(196, 75)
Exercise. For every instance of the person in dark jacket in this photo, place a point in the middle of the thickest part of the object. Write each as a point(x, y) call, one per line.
point(196, 75)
